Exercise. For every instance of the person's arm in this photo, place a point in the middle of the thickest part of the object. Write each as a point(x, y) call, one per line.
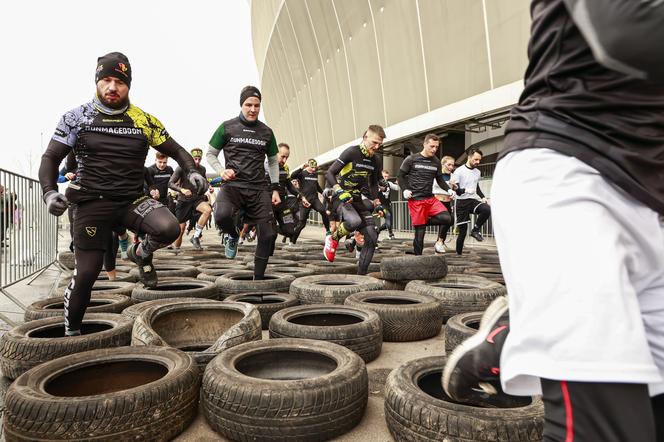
point(296, 174)
point(441, 181)
point(273, 162)
point(404, 171)
point(393, 186)
point(48, 168)
point(479, 192)
point(375, 178)
point(174, 183)
point(625, 36)
point(172, 149)
point(318, 188)
point(335, 168)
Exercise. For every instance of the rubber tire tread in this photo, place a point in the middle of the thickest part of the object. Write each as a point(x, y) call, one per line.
point(266, 310)
point(464, 300)
point(38, 310)
point(364, 338)
point(19, 352)
point(457, 329)
point(314, 409)
point(157, 411)
point(415, 416)
point(204, 289)
point(229, 286)
point(309, 292)
point(402, 322)
point(425, 267)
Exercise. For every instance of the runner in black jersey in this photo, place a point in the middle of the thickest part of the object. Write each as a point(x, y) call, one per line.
point(286, 212)
point(385, 187)
point(190, 201)
point(416, 177)
point(110, 138)
point(583, 164)
point(356, 167)
point(307, 176)
point(157, 177)
point(246, 142)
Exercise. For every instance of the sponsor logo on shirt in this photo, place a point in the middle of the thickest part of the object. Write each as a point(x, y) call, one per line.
point(424, 166)
point(116, 130)
point(246, 140)
point(365, 166)
point(249, 130)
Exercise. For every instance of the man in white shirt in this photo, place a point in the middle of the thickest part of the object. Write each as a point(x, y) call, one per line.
point(470, 199)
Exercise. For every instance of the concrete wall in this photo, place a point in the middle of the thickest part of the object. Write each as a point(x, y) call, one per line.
point(329, 68)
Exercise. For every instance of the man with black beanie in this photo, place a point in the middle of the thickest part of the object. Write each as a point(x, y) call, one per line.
point(246, 142)
point(110, 139)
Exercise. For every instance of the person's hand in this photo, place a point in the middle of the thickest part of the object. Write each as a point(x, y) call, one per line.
point(380, 210)
point(276, 200)
point(407, 194)
point(227, 174)
point(199, 181)
point(451, 193)
point(154, 193)
point(56, 203)
point(305, 202)
point(70, 175)
point(485, 200)
point(328, 213)
point(186, 192)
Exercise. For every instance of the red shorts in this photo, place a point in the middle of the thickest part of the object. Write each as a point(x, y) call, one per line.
point(422, 210)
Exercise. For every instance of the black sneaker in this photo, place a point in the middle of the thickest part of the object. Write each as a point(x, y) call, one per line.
point(350, 245)
point(477, 235)
point(196, 241)
point(146, 271)
point(472, 371)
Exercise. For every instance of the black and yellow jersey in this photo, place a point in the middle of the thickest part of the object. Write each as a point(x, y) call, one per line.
point(110, 150)
point(355, 170)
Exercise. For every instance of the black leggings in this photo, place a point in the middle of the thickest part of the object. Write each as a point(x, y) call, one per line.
point(356, 216)
point(445, 228)
point(160, 227)
point(304, 215)
point(483, 212)
point(442, 218)
point(111, 252)
point(599, 411)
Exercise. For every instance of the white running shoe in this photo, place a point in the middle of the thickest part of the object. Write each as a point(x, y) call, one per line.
point(439, 247)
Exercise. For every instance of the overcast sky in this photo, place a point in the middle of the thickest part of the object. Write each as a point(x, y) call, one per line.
point(189, 62)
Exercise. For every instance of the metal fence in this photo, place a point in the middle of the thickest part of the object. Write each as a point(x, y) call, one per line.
point(27, 231)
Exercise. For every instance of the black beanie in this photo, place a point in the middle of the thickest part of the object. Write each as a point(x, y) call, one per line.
point(249, 91)
point(114, 64)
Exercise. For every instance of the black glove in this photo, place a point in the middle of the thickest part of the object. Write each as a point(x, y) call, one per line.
point(199, 181)
point(56, 203)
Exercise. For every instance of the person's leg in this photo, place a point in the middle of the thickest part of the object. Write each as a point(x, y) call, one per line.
point(77, 293)
point(178, 241)
point(418, 241)
point(150, 217)
point(318, 207)
point(264, 247)
point(228, 205)
point(110, 256)
point(483, 212)
point(368, 230)
point(205, 211)
point(303, 217)
point(596, 411)
point(445, 228)
point(351, 222)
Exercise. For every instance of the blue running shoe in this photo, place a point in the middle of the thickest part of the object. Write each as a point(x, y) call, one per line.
point(230, 248)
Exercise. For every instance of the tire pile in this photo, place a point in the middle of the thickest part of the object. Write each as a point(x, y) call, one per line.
point(148, 359)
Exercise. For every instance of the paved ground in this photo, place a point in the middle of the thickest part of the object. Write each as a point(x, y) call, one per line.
point(371, 429)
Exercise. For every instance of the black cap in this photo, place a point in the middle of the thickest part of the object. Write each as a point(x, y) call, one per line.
point(114, 64)
point(249, 91)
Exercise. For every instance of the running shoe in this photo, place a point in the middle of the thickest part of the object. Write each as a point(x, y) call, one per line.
point(123, 254)
point(283, 239)
point(196, 241)
point(472, 371)
point(477, 235)
point(439, 247)
point(330, 249)
point(146, 271)
point(391, 237)
point(241, 241)
point(252, 235)
point(230, 248)
point(350, 245)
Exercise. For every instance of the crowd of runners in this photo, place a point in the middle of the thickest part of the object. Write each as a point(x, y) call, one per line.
point(583, 154)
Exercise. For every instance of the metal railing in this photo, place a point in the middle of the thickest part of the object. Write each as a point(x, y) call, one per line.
point(27, 231)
